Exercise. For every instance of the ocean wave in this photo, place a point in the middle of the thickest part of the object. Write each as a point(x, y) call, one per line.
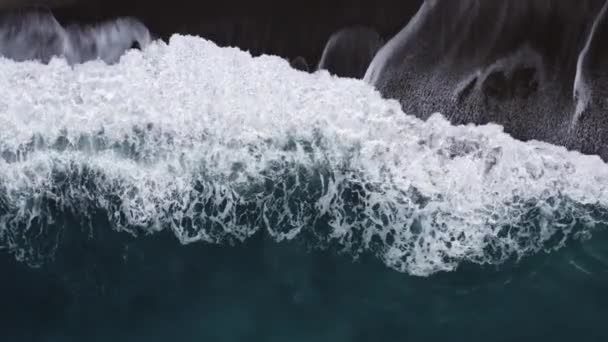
point(216, 146)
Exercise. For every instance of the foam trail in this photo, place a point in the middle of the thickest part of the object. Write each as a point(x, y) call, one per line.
point(349, 51)
point(381, 60)
point(230, 145)
point(107, 41)
point(581, 90)
point(31, 36)
point(513, 63)
point(36, 35)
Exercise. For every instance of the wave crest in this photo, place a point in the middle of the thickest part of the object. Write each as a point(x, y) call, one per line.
point(216, 146)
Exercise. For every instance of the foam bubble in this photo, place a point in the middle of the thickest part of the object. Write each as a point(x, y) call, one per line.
point(216, 145)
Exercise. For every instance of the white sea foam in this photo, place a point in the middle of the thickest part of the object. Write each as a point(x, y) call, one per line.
point(214, 144)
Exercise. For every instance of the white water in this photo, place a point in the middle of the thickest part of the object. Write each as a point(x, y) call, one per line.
point(166, 132)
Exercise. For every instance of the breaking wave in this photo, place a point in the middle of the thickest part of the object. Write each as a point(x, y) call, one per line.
point(216, 146)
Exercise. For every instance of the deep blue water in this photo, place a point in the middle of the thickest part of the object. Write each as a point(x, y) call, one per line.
point(109, 286)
